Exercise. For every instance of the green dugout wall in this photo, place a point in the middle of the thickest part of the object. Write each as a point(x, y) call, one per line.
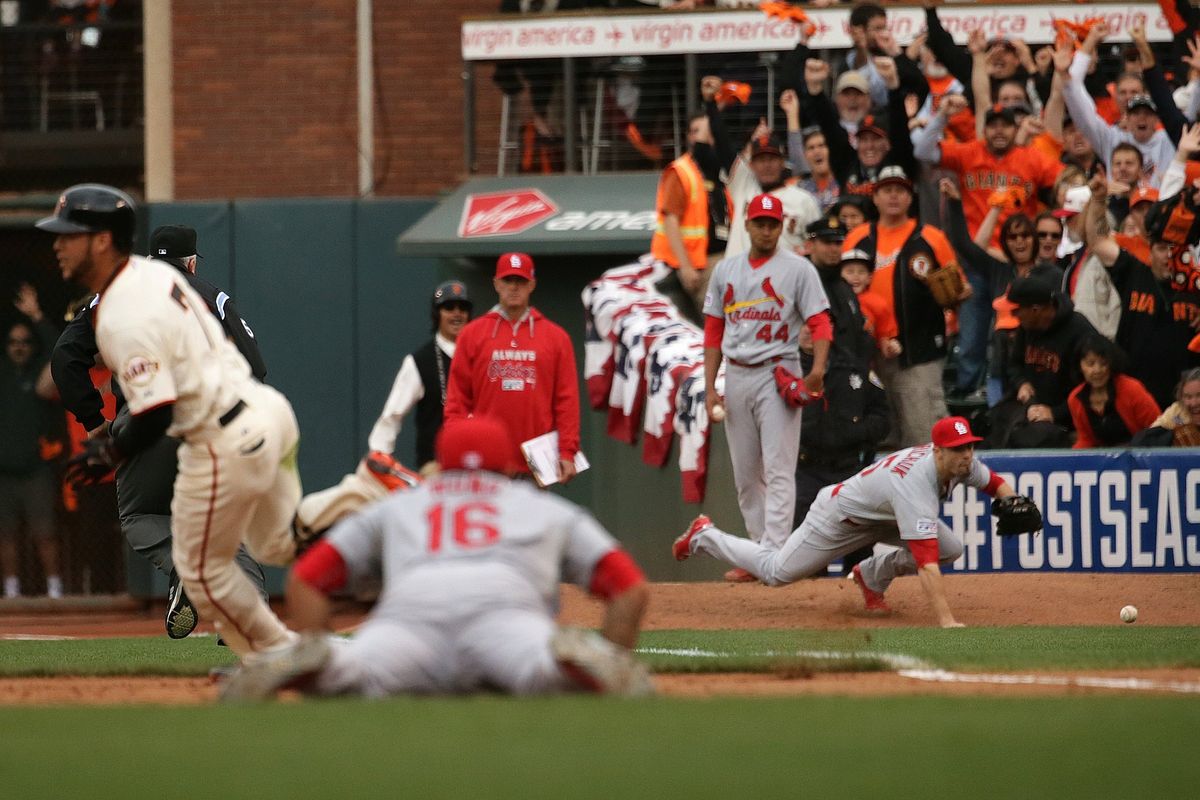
point(336, 303)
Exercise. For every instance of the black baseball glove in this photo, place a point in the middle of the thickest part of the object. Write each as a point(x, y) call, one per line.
point(98, 459)
point(1016, 515)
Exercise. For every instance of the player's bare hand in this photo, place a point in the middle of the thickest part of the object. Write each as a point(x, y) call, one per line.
point(952, 104)
point(1039, 412)
point(949, 189)
point(712, 400)
point(27, 302)
point(566, 469)
point(886, 67)
point(709, 86)
point(814, 381)
point(816, 72)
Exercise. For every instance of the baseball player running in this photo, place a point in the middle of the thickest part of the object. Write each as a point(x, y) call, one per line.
point(182, 377)
point(471, 563)
point(755, 306)
point(896, 501)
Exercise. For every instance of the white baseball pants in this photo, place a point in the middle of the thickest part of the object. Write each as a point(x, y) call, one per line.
point(237, 483)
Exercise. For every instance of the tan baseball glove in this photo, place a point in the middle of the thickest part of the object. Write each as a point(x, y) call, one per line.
point(946, 286)
point(1186, 436)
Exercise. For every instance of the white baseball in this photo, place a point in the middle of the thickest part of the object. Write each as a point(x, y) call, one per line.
point(718, 413)
point(1129, 614)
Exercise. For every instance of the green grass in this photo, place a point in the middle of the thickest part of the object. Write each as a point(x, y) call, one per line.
point(1028, 648)
point(488, 747)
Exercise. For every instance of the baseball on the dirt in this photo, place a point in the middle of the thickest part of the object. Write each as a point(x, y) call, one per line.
point(718, 413)
point(1129, 614)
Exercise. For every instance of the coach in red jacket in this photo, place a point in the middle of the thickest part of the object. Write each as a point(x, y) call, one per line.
point(515, 365)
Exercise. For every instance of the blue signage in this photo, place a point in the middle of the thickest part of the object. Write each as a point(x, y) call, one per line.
point(1111, 510)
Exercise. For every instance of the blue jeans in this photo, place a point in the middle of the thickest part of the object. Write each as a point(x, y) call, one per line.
point(974, 327)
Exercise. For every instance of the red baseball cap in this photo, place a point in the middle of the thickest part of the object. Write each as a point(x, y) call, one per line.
point(953, 432)
point(765, 205)
point(1143, 194)
point(519, 264)
point(474, 443)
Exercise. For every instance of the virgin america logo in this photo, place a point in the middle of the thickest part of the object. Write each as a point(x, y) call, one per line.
point(504, 213)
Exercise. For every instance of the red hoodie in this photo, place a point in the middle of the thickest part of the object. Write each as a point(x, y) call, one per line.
point(522, 374)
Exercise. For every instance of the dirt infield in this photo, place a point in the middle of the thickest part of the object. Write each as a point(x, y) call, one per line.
point(978, 600)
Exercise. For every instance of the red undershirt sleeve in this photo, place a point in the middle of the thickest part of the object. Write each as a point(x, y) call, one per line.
point(925, 551)
point(993, 484)
point(714, 331)
point(820, 327)
point(322, 568)
point(614, 574)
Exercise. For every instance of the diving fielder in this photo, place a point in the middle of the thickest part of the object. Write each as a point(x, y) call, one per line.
point(896, 501)
point(754, 308)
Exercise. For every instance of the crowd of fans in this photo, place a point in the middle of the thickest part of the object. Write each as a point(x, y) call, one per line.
point(1062, 184)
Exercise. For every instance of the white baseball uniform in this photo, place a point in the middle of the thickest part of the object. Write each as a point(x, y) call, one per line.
point(800, 208)
point(237, 479)
point(763, 308)
point(471, 564)
point(894, 500)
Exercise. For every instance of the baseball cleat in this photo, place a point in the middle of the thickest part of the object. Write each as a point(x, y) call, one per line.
point(261, 675)
point(874, 599)
point(598, 665)
point(182, 618)
point(739, 575)
point(682, 548)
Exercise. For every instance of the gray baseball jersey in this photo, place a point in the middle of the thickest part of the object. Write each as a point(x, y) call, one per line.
point(764, 306)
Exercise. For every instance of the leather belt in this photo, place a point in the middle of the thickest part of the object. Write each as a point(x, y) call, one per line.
point(230, 415)
point(768, 362)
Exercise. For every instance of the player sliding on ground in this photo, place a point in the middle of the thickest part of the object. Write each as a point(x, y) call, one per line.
point(471, 563)
point(895, 501)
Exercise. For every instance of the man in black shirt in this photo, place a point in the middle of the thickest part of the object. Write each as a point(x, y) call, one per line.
point(145, 481)
point(1157, 314)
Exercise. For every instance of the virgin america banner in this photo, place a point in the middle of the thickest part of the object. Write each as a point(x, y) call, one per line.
point(666, 33)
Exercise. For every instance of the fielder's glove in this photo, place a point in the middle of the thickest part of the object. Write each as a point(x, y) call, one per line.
point(946, 286)
point(98, 459)
point(1186, 436)
point(791, 388)
point(1016, 515)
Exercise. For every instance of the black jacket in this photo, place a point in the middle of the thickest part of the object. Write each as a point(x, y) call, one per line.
point(1047, 359)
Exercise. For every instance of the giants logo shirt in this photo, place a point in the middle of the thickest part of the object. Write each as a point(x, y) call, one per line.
point(981, 173)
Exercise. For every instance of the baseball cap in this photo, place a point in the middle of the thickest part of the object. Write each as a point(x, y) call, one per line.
point(519, 264)
point(451, 292)
point(852, 79)
point(765, 205)
point(1006, 113)
point(765, 145)
point(474, 443)
point(953, 432)
point(1030, 291)
point(173, 241)
point(1141, 101)
point(893, 174)
point(1143, 194)
point(1075, 201)
point(827, 227)
point(875, 122)
point(857, 256)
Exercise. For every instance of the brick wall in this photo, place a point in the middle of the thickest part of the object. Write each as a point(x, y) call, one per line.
point(266, 105)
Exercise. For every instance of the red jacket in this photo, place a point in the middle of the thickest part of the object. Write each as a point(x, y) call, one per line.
point(523, 375)
point(1134, 405)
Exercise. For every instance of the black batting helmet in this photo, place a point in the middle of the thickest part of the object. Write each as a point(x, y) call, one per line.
point(91, 208)
point(449, 292)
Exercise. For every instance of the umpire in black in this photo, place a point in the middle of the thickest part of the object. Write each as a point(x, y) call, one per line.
point(839, 433)
point(145, 481)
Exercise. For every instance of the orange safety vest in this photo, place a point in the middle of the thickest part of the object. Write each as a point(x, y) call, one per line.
point(694, 225)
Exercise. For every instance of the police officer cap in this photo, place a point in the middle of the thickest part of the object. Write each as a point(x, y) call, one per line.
point(828, 227)
point(92, 208)
point(451, 292)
